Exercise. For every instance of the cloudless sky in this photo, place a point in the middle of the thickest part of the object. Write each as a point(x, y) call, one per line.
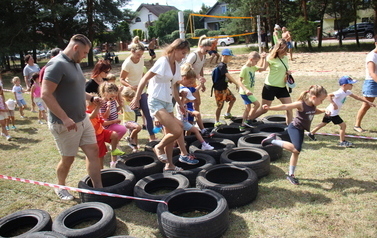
point(194, 5)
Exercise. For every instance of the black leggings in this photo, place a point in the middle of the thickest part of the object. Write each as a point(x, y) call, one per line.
point(296, 135)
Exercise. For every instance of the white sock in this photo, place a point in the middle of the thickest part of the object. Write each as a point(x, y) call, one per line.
point(291, 170)
point(277, 142)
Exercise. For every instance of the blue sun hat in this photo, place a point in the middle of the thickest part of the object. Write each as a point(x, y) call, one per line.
point(227, 52)
point(346, 80)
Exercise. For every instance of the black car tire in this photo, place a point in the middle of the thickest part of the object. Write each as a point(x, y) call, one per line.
point(114, 181)
point(219, 144)
point(191, 171)
point(172, 222)
point(278, 119)
point(254, 140)
point(231, 132)
point(102, 213)
point(146, 187)
point(253, 158)
point(238, 184)
point(151, 144)
point(141, 164)
point(17, 223)
point(45, 234)
point(279, 129)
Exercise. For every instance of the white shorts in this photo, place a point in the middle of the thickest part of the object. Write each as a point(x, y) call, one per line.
point(155, 105)
point(40, 104)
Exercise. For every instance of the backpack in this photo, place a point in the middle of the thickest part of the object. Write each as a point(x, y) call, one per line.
point(215, 76)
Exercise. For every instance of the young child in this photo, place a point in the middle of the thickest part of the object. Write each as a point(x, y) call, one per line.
point(247, 77)
point(35, 92)
point(337, 100)
point(11, 104)
point(109, 92)
point(306, 106)
point(220, 78)
point(3, 115)
point(18, 95)
point(186, 96)
point(103, 135)
point(129, 118)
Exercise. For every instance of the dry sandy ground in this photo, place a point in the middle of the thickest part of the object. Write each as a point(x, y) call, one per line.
point(321, 65)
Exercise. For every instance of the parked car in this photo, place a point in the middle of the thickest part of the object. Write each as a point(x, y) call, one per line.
point(225, 41)
point(145, 44)
point(364, 29)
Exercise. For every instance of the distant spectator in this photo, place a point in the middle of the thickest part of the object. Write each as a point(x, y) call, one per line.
point(286, 35)
point(29, 69)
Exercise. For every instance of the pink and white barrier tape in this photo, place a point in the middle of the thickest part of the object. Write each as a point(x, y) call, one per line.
point(350, 136)
point(79, 189)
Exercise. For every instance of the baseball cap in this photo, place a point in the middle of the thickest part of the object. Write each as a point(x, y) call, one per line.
point(346, 80)
point(189, 94)
point(227, 52)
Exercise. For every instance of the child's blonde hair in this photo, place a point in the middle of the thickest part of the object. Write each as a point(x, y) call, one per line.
point(128, 92)
point(136, 44)
point(187, 70)
point(111, 77)
point(15, 79)
point(254, 55)
point(204, 41)
point(314, 90)
point(106, 87)
point(279, 45)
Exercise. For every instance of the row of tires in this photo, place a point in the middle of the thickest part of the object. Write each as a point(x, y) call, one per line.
point(37, 223)
point(188, 213)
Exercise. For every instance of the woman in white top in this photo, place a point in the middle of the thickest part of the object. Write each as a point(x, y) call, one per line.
point(197, 59)
point(130, 76)
point(163, 77)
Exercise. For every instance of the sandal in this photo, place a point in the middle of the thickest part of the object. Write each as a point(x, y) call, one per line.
point(358, 129)
point(162, 157)
point(175, 169)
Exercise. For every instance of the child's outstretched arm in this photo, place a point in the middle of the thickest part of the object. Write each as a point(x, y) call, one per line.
point(263, 63)
point(238, 83)
point(95, 112)
point(283, 107)
point(371, 104)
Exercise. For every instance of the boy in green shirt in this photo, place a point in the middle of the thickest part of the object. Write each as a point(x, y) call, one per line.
point(247, 78)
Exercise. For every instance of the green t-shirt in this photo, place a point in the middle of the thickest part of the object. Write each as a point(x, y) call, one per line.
point(276, 75)
point(248, 77)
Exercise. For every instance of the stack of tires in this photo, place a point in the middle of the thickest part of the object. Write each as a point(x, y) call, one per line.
point(190, 203)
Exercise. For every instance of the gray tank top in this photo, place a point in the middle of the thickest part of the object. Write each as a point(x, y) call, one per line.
point(303, 119)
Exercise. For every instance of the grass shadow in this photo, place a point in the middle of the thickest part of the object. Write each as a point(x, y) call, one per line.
point(342, 185)
point(237, 226)
point(29, 130)
point(10, 146)
point(24, 140)
point(277, 197)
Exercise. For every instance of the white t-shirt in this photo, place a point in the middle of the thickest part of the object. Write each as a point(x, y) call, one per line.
point(135, 71)
point(196, 62)
point(18, 90)
point(339, 99)
point(160, 86)
point(371, 57)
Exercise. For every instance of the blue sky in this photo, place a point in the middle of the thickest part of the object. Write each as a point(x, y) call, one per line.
point(180, 4)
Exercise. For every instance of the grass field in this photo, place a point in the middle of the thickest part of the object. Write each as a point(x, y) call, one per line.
point(336, 198)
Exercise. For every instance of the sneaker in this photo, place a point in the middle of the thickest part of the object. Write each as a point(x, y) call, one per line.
point(204, 132)
point(249, 123)
point(206, 146)
point(242, 128)
point(22, 116)
point(358, 129)
point(117, 152)
point(187, 160)
point(41, 122)
point(112, 164)
point(217, 124)
point(13, 127)
point(269, 139)
point(63, 194)
point(8, 137)
point(293, 179)
point(345, 144)
point(227, 115)
point(7, 128)
point(311, 136)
